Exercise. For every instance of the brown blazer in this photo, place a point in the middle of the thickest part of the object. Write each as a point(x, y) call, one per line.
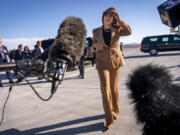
point(110, 54)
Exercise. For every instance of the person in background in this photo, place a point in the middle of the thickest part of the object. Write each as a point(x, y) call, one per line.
point(81, 64)
point(18, 53)
point(3, 60)
point(19, 57)
point(109, 59)
point(38, 49)
point(90, 55)
point(33, 51)
point(121, 48)
point(26, 53)
point(12, 55)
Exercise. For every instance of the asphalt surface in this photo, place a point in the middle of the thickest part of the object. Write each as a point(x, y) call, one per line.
point(76, 107)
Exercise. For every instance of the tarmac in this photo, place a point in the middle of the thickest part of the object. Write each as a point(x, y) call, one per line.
point(76, 107)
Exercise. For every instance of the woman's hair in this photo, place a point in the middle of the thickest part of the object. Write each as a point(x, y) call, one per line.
point(115, 16)
point(26, 47)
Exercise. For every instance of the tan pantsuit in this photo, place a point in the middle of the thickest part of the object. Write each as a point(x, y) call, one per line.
point(110, 95)
point(108, 62)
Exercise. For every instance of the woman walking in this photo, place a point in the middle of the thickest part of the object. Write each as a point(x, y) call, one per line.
point(109, 59)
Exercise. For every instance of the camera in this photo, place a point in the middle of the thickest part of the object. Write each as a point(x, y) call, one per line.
point(169, 12)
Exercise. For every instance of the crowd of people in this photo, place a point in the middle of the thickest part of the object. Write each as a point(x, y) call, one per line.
point(21, 53)
point(25, 53)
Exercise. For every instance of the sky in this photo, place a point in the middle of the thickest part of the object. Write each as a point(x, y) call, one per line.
point(26, 21)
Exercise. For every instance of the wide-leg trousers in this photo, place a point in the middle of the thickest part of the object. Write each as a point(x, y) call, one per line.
point(110, 96)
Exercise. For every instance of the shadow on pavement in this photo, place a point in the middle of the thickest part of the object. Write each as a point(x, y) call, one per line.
point(6, 84)
point(175, 66)
point(68, 131)
point(177, 79)
point(3, 78)
point(149, 56)
point(72, 78)
point(25, 83)
point(137, 56)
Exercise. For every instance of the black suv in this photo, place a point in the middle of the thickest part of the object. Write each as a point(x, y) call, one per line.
point(155, 44)
point(47, 43)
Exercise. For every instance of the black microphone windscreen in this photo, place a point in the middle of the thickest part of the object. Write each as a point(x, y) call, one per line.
point(70, 40)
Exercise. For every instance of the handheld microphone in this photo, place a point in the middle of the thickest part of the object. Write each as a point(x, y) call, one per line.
point(69, 42)
point(67, 47)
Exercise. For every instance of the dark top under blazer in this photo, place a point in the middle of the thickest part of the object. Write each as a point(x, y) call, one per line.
point(110, 54)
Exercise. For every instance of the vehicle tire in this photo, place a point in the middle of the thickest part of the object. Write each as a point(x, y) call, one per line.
point(153, 51)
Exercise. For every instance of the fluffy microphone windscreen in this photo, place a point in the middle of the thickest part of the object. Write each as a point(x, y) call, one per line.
point(70, 39)
point(156, 99)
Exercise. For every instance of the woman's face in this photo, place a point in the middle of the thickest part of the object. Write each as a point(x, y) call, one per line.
point(26, 48)
point(108, 18)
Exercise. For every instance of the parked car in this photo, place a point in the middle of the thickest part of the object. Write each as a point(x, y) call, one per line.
point(47, 43)
point(160, 43)
point(90, 56)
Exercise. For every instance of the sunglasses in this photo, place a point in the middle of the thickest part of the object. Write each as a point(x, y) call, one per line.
point(110, 14)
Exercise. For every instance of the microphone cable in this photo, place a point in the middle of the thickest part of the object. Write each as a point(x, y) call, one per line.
point(34, 90)
point(10, 89)
point(4, 106)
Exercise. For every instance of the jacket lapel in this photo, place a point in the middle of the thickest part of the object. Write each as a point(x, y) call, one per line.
point(114, 36)
point(101, 38)
point(101, 34)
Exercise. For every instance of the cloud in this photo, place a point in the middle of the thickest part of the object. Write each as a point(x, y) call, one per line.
point(14, 42)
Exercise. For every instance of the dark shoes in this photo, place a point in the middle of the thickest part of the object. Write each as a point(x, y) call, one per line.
point(40, 78)
point(1, 85)
point(81, 76)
